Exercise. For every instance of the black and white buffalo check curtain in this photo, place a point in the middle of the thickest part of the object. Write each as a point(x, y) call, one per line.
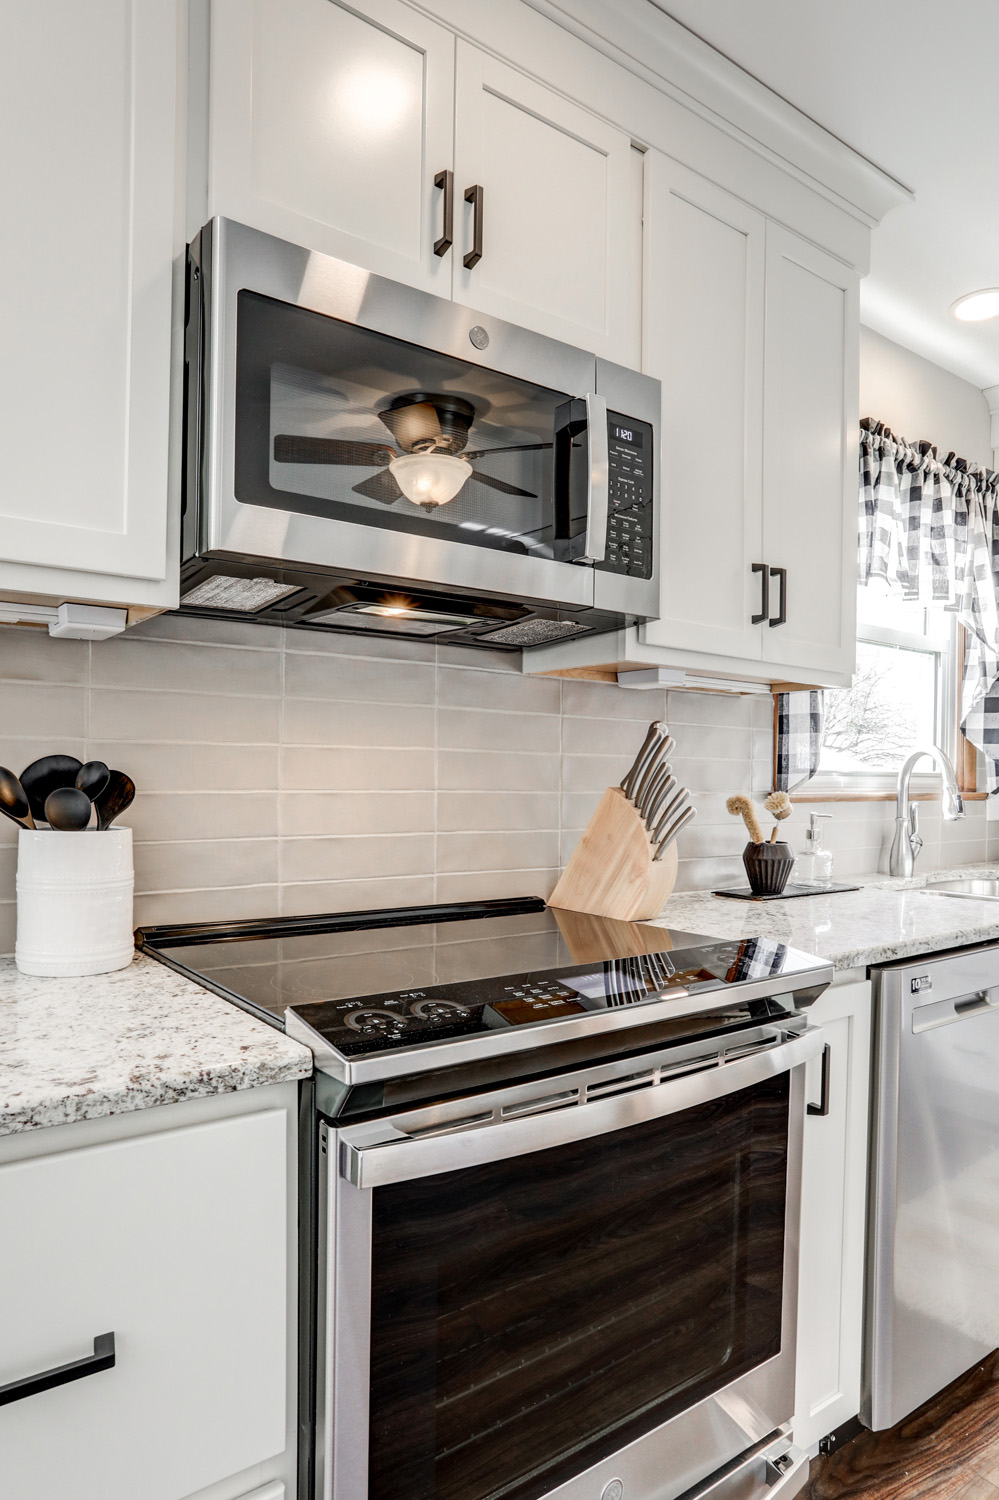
point(800, 720)
point(930, 528)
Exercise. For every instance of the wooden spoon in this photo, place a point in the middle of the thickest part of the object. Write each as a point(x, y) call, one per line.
point(43, 776)
point(92, 778)
point(13, 802)
point(67, 809)
point(114, 799)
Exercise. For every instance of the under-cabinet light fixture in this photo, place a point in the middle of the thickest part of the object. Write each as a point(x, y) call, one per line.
point(676, 677)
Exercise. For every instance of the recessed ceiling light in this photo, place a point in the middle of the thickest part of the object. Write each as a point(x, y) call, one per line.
point(977, 306)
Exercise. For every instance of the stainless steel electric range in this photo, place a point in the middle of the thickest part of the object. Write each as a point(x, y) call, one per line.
point(555, 1184)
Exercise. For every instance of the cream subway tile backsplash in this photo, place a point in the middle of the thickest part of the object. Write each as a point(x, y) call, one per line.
point(350, 768)
point(325, 813)
point(312, 721)
point(363, 858)
point(117, 714)
point(343, 679)
point(473, 812)
point(289, 772)
point(473, 729)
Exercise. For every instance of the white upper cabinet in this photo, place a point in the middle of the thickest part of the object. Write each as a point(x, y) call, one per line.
point(810, 481)
point(705, 257)
point(329, 126)
point(559, 211)
point(88, 115)
point(358, 131)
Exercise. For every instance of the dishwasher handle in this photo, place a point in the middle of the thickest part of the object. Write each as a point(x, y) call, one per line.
point(947, 1012)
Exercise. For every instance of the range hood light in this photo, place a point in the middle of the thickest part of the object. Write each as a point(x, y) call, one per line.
point(430, 479)
point(413, 612)
point(976, 307)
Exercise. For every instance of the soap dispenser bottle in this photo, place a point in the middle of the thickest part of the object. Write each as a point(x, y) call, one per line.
point(816, 864)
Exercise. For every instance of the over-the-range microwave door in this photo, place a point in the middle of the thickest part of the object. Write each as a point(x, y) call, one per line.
point(350, 426)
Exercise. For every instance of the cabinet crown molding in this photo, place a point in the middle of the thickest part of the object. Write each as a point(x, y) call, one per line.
point(642, 37)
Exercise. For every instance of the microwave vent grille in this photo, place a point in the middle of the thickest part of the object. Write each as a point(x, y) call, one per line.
point(222, 591)
point(535, 632)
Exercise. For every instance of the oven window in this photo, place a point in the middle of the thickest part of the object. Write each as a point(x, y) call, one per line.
point(335, 420)
point(530, 1317)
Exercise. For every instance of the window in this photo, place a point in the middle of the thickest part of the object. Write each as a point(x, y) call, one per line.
point(904, 696)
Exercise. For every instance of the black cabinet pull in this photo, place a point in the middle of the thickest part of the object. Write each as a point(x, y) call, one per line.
point(445, 180)
point(781, 576)
point(822, 1108)
point(473, 195)
point(101, 1359)
point(761, 568)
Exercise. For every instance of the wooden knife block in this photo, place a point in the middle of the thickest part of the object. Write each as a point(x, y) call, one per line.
point(612, 872)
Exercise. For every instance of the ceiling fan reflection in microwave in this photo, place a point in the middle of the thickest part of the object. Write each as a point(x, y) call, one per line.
point(432, 467)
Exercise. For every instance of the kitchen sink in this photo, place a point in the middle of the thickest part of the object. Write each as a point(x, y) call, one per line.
point(978, 889)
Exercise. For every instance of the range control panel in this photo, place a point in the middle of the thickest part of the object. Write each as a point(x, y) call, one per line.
point(629, 518)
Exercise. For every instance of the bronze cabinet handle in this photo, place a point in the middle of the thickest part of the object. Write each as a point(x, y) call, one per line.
point(761, 568)
point(445, 180)
point(103, 1358)
point(473, 195)
point(781, 575)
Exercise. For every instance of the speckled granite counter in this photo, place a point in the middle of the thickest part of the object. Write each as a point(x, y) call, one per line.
point(885, 920)
point(74, 1049)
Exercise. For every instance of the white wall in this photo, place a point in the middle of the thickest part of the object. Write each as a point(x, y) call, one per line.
point(920, 400)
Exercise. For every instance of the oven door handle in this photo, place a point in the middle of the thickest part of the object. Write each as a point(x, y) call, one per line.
point(380, 1153)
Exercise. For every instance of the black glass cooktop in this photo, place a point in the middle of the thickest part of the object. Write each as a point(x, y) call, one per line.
point(383, 981)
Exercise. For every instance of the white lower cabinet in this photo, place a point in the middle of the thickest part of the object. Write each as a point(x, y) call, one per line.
point(833, 1217)
point(178, 1242)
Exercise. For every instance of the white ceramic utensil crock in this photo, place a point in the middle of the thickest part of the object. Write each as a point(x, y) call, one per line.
point(74, 901)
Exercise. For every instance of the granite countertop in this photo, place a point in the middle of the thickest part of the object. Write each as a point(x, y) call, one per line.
point(75, 1049)
point(886, 919)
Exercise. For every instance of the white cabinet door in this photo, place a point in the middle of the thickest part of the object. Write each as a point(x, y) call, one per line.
point(704, 290)
point(833, 1214)
point(177, 1243)
point(812, 374)
point(561, 213)
point(88, 118)
point(329, 126)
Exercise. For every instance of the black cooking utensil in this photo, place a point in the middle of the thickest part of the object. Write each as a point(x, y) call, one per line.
point(92, 778)
point(67, 809)
point(13, 802)
point(44, 776)
point(114, 799)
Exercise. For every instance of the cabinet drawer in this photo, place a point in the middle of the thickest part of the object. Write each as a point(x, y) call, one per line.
point(176, 1243)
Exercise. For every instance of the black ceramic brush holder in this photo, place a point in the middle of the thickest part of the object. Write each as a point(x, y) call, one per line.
point(768, 867)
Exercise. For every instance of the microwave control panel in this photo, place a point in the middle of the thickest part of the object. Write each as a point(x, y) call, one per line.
point(629, 512)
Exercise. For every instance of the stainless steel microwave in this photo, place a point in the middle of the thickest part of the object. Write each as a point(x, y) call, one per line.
point(363, 456)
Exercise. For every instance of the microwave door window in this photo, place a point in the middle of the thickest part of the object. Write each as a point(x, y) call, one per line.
point(530, 1317)
point(336, 420)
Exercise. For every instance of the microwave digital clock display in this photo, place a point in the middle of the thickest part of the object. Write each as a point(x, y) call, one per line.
point(626, 435)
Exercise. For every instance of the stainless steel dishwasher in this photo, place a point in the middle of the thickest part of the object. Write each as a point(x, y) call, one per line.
point(933, 1232)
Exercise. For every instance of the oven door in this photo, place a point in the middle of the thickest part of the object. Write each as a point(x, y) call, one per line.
point(566, 1284)
point(337, 411)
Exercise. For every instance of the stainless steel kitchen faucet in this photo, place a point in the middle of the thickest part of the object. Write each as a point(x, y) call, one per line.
point(907, 843)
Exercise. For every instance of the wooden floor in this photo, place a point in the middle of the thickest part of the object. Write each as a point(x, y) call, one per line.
point(947, 1450)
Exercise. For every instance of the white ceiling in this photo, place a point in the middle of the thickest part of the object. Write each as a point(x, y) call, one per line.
point(910, 84)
